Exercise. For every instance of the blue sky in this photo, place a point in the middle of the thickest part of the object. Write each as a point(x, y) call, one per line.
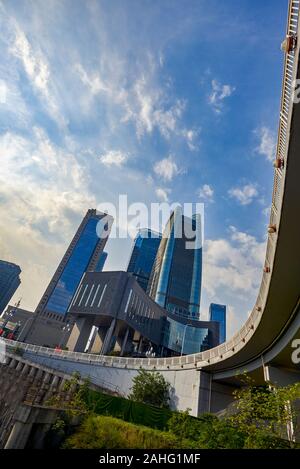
point(161, 100)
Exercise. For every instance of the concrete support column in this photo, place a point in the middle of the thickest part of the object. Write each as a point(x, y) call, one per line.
point(32, 372)
point(99, 338)
point(26, 369)
point(80, 334)
point(123, 348)
point(13, 363)
point(204, 395)
point(18, 436)
point(279, 376)
point(107, 341)
point(117, 346)
point(140, 346)
point(19, 366)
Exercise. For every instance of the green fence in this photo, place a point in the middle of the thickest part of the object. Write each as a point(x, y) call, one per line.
point(127, 410)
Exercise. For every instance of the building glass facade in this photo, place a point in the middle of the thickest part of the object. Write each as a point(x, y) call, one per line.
point(9, 282)
point(184, 338)
point(143, 256)
point(101, 262)
point(218, 313)
point(82, 255)
point(175, 282)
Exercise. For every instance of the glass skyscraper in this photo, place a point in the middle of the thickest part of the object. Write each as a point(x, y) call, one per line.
point(83, 254)
point(175, 281)
point(101, 262)
point(218, 313)
point(143, 256)
point(9, 282)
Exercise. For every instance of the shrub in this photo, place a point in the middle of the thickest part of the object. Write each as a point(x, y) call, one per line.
point(151, 388)
point(100, 432)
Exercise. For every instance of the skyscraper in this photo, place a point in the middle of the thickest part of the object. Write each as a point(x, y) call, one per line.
point(82, 255)
point(218, 313)
point(143, 256)
point(175, 281)
point(101, 262)
point(9, 282)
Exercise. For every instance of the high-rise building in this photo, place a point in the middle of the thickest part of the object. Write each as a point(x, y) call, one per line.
point(9, 282)
point(101, 262)
point(218, 313)
point(143, 255)
point(175, 281)
point(82, 255)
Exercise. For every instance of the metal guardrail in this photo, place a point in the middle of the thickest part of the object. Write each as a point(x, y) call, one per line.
point(244, 334)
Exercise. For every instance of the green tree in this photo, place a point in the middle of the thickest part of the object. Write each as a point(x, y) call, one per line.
point(264, 414)
point(151, 388)
point(207, 431)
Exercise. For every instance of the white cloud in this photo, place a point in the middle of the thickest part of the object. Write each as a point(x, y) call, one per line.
point(35, 65)
point(114, 158)
point(218, 94)
point(266, 211)
point(142, 100)
point(37, 70)
point(147, 106)
point(162, 194)
point(93, 82)
point(167, 168)
point(206, 192)
point(3, 92)
point(190, 136)
point(43, 193)
point(267, 145)
point(232, 272)
point(244, 195)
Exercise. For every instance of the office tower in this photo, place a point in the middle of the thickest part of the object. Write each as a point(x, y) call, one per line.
point(9, 282)
point(218, 313)
point(101, 262)
point(143, 256)
point(175, 281)
point(82, 255)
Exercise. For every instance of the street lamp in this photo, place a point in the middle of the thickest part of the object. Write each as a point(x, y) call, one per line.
point(183, 338)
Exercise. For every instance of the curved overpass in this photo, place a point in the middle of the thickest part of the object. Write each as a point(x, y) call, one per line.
point(266, 337)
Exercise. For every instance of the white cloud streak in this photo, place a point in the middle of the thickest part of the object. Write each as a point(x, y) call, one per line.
point(218, 94)
point(244, 195)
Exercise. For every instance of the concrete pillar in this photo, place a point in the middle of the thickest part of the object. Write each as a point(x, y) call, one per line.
point(26, 369)
point(13, 363)
point(117, 346)
point(280, 376)
point(19, 366)
point(99, 338)
point(80, 334)
point(140, 346)
point(107, 341)
point(204, 395)
point(123, 348)
point(18, 436)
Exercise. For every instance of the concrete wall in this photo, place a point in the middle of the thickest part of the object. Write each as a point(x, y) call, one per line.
point(185, 384)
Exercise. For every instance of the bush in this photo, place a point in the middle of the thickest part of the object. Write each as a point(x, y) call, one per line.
point(99, 432)
point(206, 431)
point(151, 388)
